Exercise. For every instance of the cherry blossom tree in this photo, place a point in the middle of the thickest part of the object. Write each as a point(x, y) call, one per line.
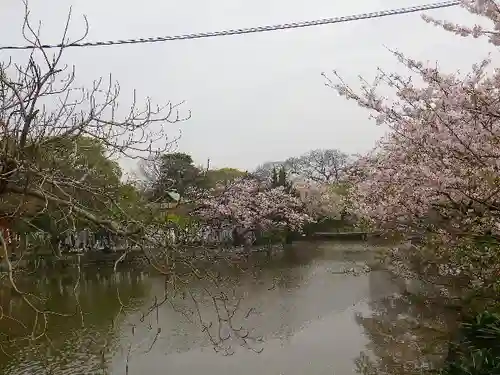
point(437, 171)
point(320, 199)
point(252, 206)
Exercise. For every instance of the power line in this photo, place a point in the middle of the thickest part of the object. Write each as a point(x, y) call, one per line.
point(259, 29)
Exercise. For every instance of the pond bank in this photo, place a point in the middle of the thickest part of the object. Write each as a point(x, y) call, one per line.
point(138, 258)
point(133, 257)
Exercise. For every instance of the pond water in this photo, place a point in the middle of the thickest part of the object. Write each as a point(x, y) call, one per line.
point(299, 313)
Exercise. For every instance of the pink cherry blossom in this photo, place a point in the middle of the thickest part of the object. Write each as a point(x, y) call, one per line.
point(437, 171)
point(489, 9)
point(320, 199)
point(253, 206)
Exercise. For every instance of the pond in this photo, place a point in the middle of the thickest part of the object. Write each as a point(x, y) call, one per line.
point(299, 314)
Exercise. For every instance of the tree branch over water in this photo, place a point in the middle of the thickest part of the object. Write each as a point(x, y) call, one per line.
point(59, 150)
point(59, 174)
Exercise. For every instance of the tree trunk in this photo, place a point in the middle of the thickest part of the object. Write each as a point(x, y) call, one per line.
point(54, 244)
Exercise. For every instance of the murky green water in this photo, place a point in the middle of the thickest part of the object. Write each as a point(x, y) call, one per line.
point(298, 311)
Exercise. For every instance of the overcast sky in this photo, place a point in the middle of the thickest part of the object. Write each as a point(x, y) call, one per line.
point(258, 97)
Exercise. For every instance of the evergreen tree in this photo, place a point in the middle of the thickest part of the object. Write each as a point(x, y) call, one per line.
point(274, 178)
point(282, 177)
point(284, 181)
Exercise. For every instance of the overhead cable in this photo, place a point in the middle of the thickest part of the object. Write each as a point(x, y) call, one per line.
point(250, 30)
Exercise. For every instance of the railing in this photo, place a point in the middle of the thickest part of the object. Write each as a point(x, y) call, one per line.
point(347, 229)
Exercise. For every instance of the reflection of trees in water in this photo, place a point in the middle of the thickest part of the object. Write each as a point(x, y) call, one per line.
point(406, 336)
point(253, 287)
point(84, 340)
point(289, 279)
point(268, 288)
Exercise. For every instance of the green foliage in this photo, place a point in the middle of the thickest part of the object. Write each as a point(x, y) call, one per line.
point(280, 178)
point(78, 157)
point(129, 204)
point(176, 173)
point(83, 172)
point(91, 180)
point(180, 158)
point(274, 178)
point(79, 165)
point(478, 350)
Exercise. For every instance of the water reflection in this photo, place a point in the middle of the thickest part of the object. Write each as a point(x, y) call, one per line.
point(310, 316)
point(80, 343)
point(407, 336)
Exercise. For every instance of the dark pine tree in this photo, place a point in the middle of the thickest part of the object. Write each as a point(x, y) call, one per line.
point(274, 178)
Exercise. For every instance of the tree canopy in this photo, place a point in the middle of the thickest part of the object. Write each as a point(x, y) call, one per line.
point(328, 166)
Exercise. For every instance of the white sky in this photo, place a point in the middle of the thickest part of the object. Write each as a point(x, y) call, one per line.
point(257, 97)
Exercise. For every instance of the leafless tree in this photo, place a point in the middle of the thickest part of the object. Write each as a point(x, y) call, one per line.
point(59, 144)
point(58, 149)
point(327, 166)
point(41, 108)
